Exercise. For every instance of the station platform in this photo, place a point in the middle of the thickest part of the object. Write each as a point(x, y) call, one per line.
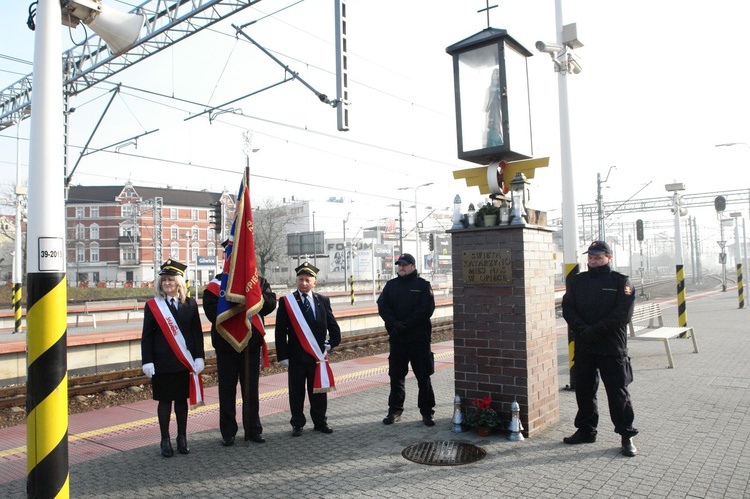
point(694, 439)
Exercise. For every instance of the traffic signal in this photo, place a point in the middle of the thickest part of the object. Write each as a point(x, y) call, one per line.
point(431, 239)
point(639, 229)
point(720, 203)
point(214, 216)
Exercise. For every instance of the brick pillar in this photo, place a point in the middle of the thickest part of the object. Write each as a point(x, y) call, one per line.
point(504, 321)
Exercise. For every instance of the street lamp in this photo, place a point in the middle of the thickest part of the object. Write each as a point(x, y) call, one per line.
point(600, 200)
point(679, 211)
point(188, 239)
point(416, 215)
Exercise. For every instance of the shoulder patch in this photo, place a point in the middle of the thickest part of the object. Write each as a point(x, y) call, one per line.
point(628, 290)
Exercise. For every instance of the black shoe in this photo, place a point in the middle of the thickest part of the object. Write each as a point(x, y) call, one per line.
point(166, 448)
point(227, 442)
point(182, 446)
point(392, 418)
point(255, 437)
point(580, 437)
point(296, 431)
point(428, 421)
point(628, 448)
point(323, 428)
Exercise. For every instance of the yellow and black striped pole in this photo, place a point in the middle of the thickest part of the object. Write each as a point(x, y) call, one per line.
point(738, 258)
point(351, 288)
point(46, 317)
point(571, 269)
point(16, 302)
point(678, 261)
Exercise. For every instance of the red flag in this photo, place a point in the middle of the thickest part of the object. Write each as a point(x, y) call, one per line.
point(241, 295)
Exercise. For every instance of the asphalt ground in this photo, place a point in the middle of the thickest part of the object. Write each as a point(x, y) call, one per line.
point(694, 436)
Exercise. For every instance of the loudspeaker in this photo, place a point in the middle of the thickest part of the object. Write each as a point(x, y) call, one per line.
point(119, 30)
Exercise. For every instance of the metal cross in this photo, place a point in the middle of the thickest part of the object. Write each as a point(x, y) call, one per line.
point(487, 9)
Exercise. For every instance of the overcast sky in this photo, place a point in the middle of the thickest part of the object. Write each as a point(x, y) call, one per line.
point(662, 83)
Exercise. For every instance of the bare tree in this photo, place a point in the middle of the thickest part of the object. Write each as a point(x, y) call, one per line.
point(270, 221)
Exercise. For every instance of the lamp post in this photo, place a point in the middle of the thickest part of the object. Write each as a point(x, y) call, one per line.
point(188, 239)
point(416, 216)
point(738, 258)
point(345, 258)
point(744, 244)
point(600, 201)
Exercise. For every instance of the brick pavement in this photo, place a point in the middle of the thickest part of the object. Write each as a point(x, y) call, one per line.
point(694, 441)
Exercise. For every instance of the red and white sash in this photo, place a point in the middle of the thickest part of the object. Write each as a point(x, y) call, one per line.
point(324, 381)
point(170, 329)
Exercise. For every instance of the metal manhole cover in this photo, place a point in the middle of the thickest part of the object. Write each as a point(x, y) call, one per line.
point(443, 453)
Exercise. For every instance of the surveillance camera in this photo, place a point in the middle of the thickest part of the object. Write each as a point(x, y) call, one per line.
point(549, 48)
point(573, 66)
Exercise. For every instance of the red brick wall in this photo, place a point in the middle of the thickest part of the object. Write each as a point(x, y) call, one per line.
point(504, 334)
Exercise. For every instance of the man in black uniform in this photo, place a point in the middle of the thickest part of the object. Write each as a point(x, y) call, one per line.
point(406, 305)
point(597, 306)
point(232, 365)
point(302, 322)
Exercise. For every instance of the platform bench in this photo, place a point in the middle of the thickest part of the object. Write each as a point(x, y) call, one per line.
point(91, 308)
point(656, 330)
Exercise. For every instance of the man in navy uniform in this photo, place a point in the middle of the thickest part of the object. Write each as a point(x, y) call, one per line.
point(406, 305)
point(597, 306)
point(303, 321)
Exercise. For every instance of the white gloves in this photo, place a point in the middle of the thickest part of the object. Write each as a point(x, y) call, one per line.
point(284, 362)
point(199, 366)
point(328, 346)
point(148, 369)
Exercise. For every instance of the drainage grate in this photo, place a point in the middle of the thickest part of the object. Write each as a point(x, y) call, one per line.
point(443, 453)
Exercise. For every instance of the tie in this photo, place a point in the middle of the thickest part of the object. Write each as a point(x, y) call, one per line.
point(172, 305)
point(307, 310)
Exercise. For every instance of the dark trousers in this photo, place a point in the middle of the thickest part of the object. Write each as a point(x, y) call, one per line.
point(301, 380)
point(616, 374)
point(245, 367)
point(422, 363)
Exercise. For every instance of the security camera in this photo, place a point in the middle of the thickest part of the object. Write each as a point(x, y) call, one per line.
point(573, 66)
point(549, 48)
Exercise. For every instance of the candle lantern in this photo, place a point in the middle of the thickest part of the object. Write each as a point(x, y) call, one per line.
point(518, 199)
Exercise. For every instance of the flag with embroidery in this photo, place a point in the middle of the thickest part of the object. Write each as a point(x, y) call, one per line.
point(241, 293)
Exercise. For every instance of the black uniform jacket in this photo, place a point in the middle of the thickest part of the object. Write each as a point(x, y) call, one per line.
point(287, 343)
point(210, 303)
point(406, 305)
point(604, 299)
point(154, 346)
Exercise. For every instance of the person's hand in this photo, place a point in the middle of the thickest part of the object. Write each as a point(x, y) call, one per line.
point(148, 369)
point(284, 362)
point(588, 334)
point(327, 345)
point(199, 366)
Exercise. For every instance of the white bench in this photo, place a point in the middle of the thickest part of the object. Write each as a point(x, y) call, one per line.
point(656, 330)
point(91, 308)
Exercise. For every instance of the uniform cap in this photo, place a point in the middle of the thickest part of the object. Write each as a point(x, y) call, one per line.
point(406, 258)
point(598, 248)
point(307, 268)
point(173, 267)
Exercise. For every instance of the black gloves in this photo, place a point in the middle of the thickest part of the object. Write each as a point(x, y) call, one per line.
point(588, 334)
point(397, 328)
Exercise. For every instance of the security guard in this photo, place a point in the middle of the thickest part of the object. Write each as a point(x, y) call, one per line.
point(406, 305)
point(597, 306)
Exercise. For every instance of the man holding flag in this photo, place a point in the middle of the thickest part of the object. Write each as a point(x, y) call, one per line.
point(302, 321)
point(241, 297)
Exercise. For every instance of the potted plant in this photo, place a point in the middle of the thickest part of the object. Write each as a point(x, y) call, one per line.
point(482, 416)
point(488, 213)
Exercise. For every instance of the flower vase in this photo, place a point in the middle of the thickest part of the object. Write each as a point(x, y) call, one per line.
point(490, 220)
point(484, 431)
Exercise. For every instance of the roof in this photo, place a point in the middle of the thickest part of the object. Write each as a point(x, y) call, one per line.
point(107, 194)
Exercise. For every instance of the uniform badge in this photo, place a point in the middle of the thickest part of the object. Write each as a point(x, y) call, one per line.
point(628, 290)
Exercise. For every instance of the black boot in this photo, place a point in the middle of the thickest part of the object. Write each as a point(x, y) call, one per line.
point(628, 448)
point(182, 446)
point(166, 448)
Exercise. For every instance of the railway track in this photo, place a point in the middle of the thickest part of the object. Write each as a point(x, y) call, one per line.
point(15, 396)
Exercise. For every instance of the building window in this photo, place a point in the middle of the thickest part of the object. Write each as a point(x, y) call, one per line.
point(193, 214)
point(80, 212)
point(127, 210)
point(174, 233)
point(80, 252)
point(95, 276)
point(128, 254)
point(94, 252)
point(94, 211)
point(174, 251)
point(80, 232)
point(94, 231)
point(195, 234)
point(173, 213)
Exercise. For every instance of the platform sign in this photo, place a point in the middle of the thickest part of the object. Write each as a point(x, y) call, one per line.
point(207, 260)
